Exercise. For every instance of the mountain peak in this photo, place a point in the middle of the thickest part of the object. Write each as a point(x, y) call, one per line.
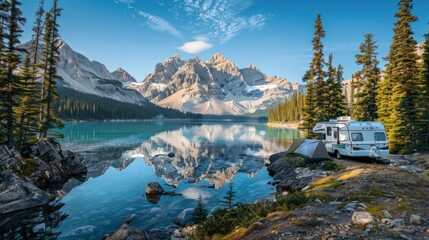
point(217, 58)
point(122, 75)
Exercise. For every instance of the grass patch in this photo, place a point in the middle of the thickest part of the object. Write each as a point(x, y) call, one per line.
point(327, 165)
point(350, 174)
point(231, 221)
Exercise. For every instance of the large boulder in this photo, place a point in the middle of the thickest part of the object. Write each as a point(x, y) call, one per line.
point(17, 194)
point(154, 188)
point(362, 218)
point(184, 217)
point(127, 232)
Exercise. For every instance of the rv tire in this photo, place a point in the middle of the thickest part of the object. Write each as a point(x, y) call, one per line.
point(338, 154)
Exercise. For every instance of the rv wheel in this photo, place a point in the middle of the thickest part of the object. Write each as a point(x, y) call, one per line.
point(338, 154)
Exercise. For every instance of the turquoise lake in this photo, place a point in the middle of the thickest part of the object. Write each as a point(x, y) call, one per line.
point(123, 157)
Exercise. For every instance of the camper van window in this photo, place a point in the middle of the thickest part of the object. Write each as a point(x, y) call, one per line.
point(357, 137)
point(343, 137)
point(323, 137)
point(380, 136)
point(335, 134)
point(329, 131)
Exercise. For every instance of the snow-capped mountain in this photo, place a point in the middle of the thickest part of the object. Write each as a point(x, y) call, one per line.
point(216, 86)
point(83, 75)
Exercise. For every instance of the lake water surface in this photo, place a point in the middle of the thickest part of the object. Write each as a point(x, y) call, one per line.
point(125, 156)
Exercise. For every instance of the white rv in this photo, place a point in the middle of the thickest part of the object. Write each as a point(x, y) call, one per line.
point(346, 137)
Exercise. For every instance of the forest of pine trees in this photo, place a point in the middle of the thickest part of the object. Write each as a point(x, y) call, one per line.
point(399, 97)
point(27, 98)
point(74, 105)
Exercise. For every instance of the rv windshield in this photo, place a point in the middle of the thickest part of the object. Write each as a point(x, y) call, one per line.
point(380, 136)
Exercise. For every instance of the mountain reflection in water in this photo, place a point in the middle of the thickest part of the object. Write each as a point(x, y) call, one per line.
point(215, 153)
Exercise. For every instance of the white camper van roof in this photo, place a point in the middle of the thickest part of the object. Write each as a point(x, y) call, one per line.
point(352, 125)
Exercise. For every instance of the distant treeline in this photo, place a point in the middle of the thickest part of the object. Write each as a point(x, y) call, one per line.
point(289, 111)
point(74, 105)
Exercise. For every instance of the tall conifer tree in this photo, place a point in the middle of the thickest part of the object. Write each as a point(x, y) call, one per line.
point(9, 86)
point(367, 80)
point(402, 73)
point(423, 101)
point(48, 118)
point(317, 70)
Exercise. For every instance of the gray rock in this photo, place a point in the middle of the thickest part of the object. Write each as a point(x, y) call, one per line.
point(16, 194)
point(386, 214)
point(126, 232)
point(398, 221)
point(129, 218)
point(184, 217)
point(388, 222)
point(362, 218)
point(415, 219)
point(39, 228)
point(154, 188)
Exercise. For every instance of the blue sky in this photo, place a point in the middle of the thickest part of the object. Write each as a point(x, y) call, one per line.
point(274, 35)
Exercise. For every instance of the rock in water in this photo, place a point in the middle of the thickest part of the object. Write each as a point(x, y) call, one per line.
point(362, 218)
point(129, 218)
point(154, 188)
point(126, 232)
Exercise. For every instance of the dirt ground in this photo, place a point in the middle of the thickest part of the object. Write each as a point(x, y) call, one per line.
point(395, 195)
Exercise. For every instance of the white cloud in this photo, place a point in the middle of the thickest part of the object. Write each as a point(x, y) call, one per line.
point(159, 24)
point(195, 47)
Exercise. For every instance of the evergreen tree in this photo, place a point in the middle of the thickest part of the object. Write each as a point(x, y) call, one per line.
point(423, 101)
point(309, 109)
point(48, 118)
point(331, 90)
point(4, 12)
point(37, 34)
point(339, 106)
point(230, 196)
point(28, 110)
point(317, 71)
point(199, 214)
point(367, 80)
point(402, 75)
point(9, 82)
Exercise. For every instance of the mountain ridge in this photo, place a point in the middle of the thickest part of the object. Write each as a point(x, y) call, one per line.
point(216, 86)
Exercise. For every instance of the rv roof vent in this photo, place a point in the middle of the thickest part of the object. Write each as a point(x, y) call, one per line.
point(332, 120)
point(344, 118)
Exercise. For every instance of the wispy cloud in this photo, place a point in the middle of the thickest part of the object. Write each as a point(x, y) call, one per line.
point(152, 21)
point(219, 19)
point(194, 47)
point(159, 24)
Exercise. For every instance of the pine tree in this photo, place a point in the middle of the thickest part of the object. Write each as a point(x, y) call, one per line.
point(338, 96)
point(37, 33)
point(402, 75)
point(48, 118)
point(199, 214)
point(331, 90)
point(309, 109)
point(9, 83)
point(367, 80)
point(423, 100)
point(4, 12)
point(317, 71)
point(28, 110)
point(230, 196)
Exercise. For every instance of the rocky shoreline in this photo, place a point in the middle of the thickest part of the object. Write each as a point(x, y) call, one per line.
point(39, 173)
